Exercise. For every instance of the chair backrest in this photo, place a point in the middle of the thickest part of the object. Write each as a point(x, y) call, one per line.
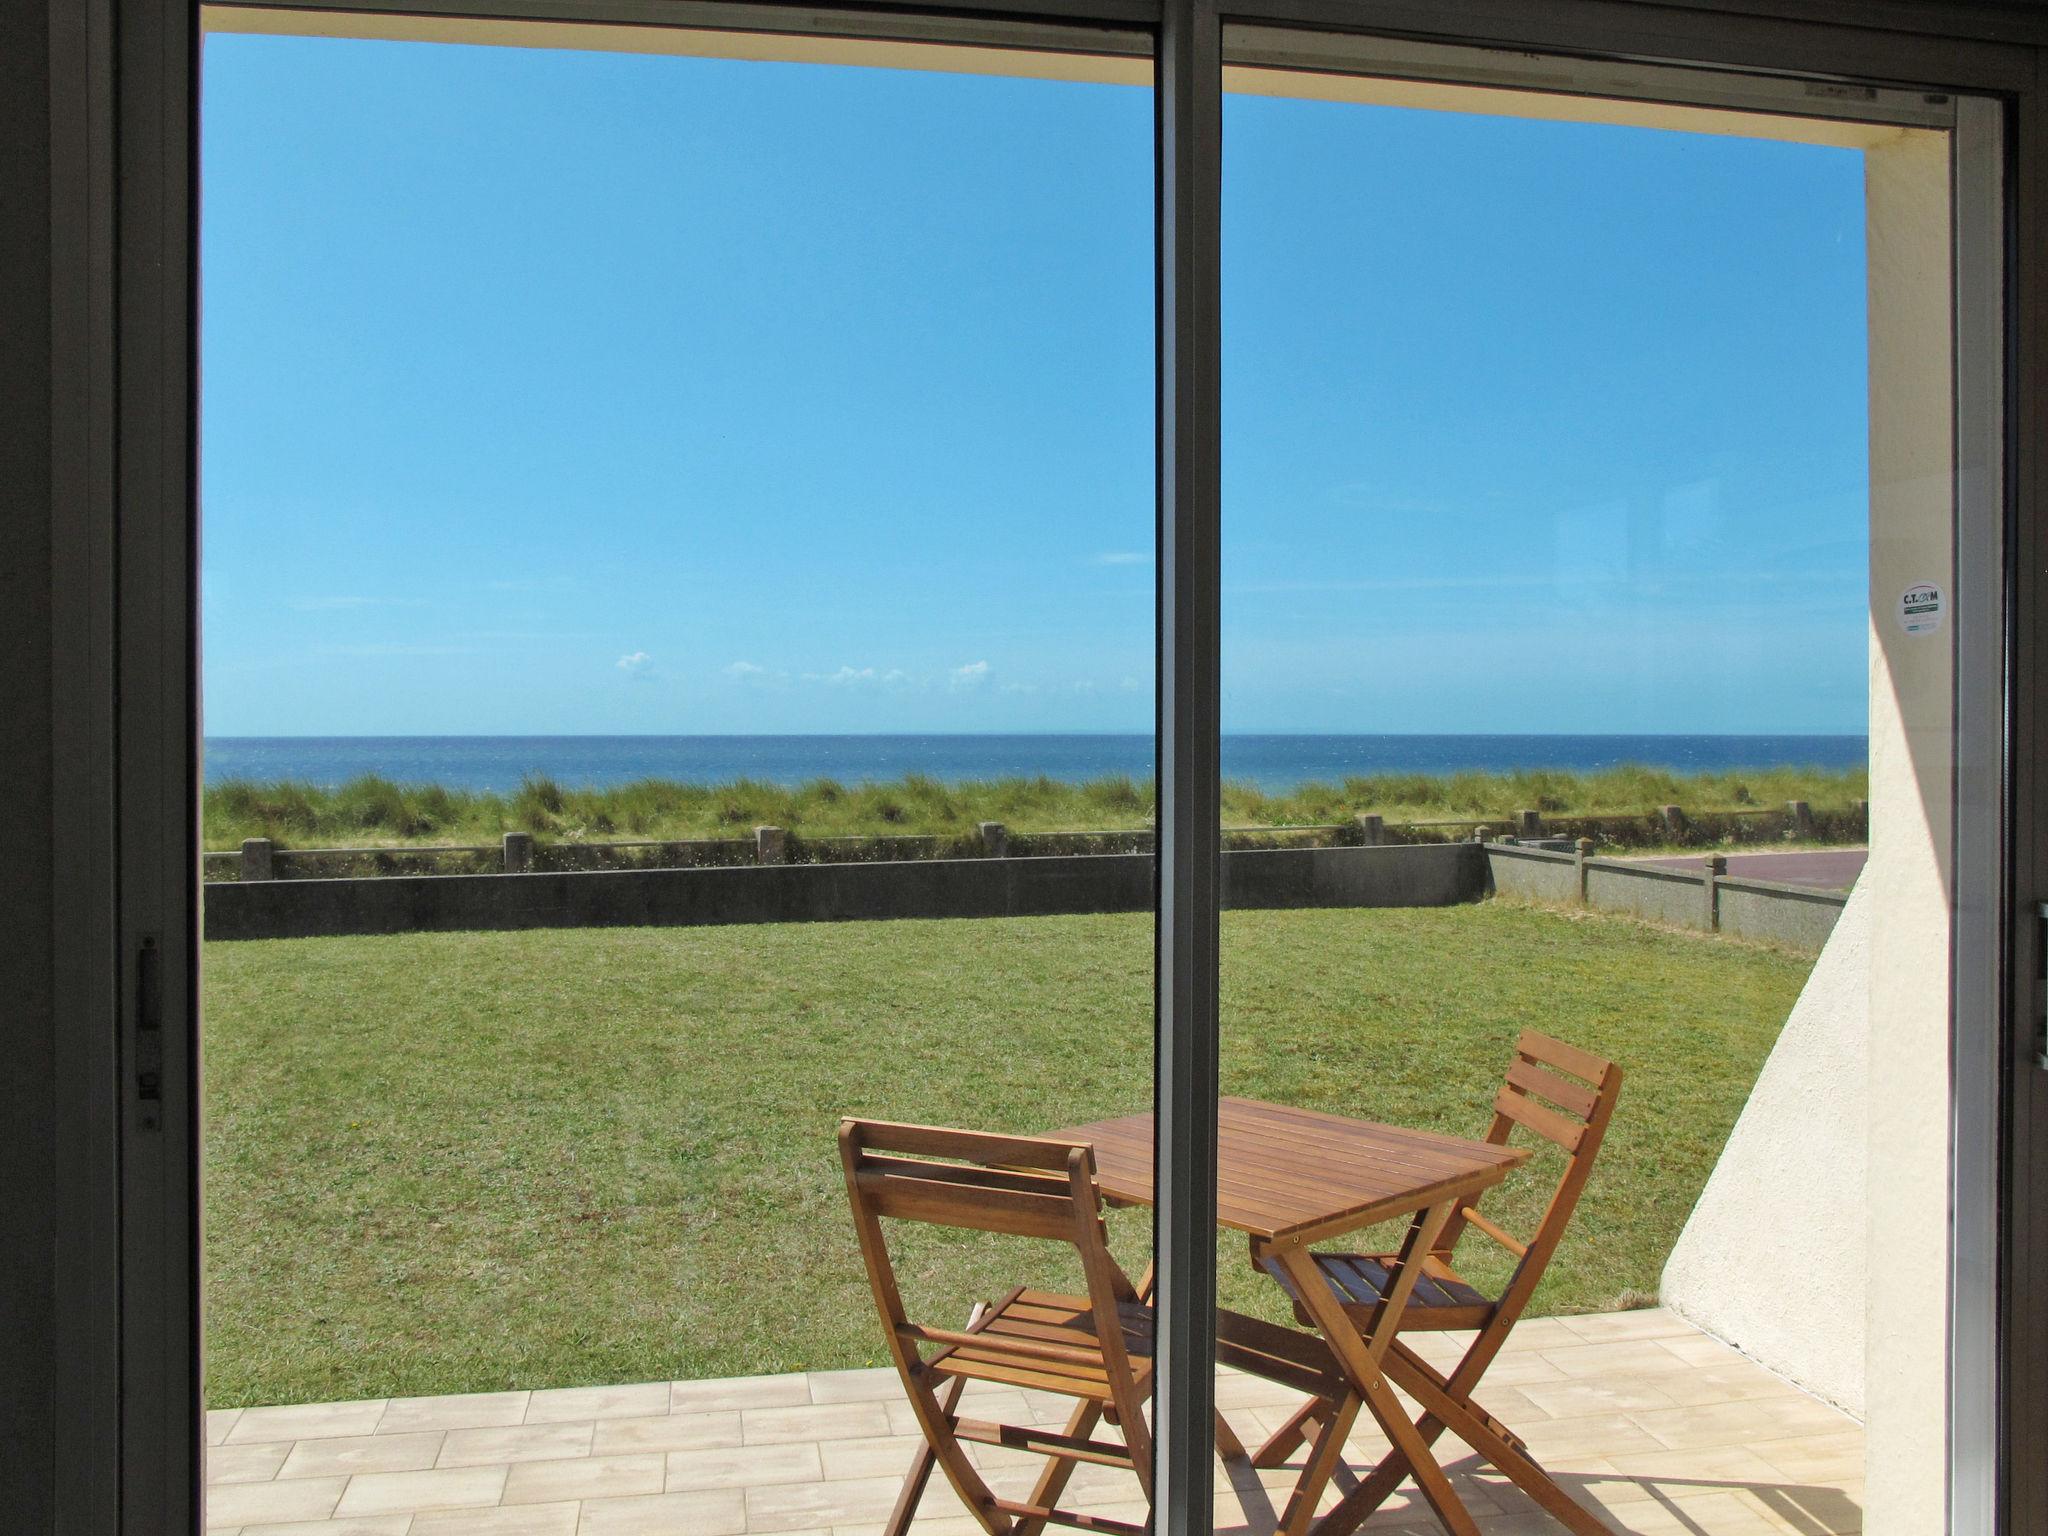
point(1566, 1096)
point(1015, 1185)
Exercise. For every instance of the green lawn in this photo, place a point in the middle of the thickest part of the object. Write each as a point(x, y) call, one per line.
point(464, 1162)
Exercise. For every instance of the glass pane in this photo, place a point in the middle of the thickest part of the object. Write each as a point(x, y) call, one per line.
point(1584, 498)
point(679, 646)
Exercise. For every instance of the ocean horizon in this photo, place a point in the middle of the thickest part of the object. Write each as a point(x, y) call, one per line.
point(1272, 761)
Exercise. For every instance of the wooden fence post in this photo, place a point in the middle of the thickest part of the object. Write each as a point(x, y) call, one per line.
point(256, 858)
point(518, 853)
point(1717, 866)
point(771, 845)
point(1581, 851)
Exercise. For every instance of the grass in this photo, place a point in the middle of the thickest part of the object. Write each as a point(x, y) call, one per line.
point(376, 811)
point(465, 1162)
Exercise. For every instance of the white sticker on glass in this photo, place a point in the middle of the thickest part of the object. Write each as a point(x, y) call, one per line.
point(1920, 608)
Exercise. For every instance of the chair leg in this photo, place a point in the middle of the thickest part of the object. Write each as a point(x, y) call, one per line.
point(1228, 1446)
point(1325, 1452)
point(1282, 1443)
point(921, 1466)
point(1052, 1482)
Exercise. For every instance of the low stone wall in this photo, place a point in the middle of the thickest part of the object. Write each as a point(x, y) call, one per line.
point(1794, 915)
point(1421, 876)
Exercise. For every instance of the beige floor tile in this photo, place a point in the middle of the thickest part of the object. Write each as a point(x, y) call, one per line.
point(1708, 1469)
point(1698, 1514)
point(586, 1477)
point(362, 1453)
point(516, 1442)
point(521, 1520)
point(1768, 1418)
point(813, 1506)
point(1518, 1369)
point(1004, 1406)
point(669, 1432)
point(305, 1421)
point(1808, 1510)
point(638, 1401)
point(721, 1394)
point(1735, 1383)
point(882, 1456)
point(462, 1410)
point(1537, 1333)
point(218, 1422)
point(273, 1503)
point(1698, 1349)
point(1644, 1323)
point(1823, 1458)
point(872, 1385)
point(245, 1463)
point(1562, 1441)
point(937, 1525)
point(743, 1466)
point(377, 1493)
point(1624, 1357)
point(1578, 1399)
point(366, 1525)
point(817, 1421)
point(716, 1512)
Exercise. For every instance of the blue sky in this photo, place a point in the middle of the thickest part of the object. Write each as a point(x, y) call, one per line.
point(571, 392)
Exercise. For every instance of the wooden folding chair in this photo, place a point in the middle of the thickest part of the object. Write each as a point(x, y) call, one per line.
point(1566, 1096)
point(1094, 1348)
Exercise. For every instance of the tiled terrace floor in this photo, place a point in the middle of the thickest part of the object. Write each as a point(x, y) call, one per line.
point(1663, 1428)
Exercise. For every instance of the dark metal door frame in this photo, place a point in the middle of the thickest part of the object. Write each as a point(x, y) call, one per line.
point(122, 122)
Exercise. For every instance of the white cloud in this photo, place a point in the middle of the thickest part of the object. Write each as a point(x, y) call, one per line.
point(634, 662)
point(1122, 557)
point(849, 675)
point(973, 675)
point(745, 669)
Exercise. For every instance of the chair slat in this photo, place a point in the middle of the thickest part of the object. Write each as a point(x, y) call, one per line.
point(971, 1146)
point(1552, 1052)
point(981, 1210)
point(1561, 1091)
point(1548, 1123)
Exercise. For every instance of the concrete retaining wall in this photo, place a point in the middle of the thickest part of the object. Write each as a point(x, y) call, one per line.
point(1795, 915)
point(1422, 876)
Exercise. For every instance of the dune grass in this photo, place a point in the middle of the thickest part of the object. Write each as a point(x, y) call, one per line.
point(372, 811)
point(465, 1162)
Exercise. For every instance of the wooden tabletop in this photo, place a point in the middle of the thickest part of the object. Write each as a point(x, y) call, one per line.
point(1286, 1174)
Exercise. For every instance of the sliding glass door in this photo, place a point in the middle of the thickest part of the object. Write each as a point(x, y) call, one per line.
point(1561, 783)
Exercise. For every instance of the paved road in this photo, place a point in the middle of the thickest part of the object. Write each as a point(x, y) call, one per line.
point(1827, 869)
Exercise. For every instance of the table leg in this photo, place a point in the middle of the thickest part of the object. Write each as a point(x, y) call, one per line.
point(1360, 1354)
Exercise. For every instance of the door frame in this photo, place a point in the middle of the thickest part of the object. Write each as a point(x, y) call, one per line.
point(124, 649)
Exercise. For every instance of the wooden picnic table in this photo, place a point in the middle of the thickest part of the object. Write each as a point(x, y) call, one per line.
point(1290, 1177)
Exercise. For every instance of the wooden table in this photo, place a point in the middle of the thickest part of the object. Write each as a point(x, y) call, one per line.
point(1288, 1178)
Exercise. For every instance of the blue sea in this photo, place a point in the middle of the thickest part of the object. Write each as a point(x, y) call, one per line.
point(1271, 762)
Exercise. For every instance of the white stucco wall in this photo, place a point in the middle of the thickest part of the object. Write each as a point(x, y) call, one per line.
point(1794, 1168)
